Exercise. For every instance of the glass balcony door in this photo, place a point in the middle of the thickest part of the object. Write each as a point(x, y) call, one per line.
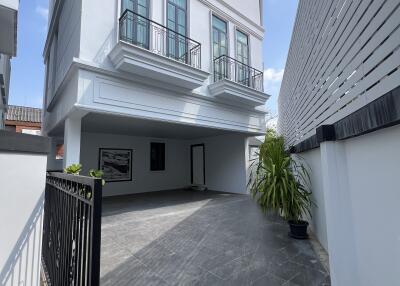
point(221, 68)
point(177, 45)
point(242, 55)
point(137, 27)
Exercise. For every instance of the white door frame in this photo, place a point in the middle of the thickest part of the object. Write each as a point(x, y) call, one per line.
point(204, 162)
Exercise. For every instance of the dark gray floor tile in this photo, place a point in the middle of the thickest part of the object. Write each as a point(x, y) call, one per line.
point(200, 238)
point(268, 280)
point(309, 277)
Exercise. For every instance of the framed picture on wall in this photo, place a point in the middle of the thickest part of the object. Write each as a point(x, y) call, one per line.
point(116, 164)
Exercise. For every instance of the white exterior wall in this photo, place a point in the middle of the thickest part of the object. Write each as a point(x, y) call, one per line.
point(355, 187)
point(225, 162)
point(89, 31)
point(373, 191)
point(318, 221)
point(177, 163)
point(64, 46)
point(99, 37)
point(68, 38)
point(22, 177)
point(104, 93)
point(361, 198)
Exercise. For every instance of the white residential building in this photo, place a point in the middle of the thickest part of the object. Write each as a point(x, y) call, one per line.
point(186, 74)
point(339, 109)
point(8, 49)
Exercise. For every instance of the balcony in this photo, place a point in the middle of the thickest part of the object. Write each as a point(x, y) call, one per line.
point(234, 80)
point(153, 51)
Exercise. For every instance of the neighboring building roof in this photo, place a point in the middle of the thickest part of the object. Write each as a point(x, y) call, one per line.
point(24, 114)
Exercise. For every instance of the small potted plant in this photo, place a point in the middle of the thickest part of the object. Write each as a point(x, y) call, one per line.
point(280, 183)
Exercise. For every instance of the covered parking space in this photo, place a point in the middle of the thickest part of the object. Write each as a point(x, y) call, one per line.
point(164, 155)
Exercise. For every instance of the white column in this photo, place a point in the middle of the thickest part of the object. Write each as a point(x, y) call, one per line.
point(339, 215)
point(72, 141)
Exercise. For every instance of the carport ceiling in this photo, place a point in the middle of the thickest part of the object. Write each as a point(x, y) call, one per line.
point(102, 123)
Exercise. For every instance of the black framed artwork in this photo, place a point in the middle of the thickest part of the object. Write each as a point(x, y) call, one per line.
point(157, 156)
point(116, 164)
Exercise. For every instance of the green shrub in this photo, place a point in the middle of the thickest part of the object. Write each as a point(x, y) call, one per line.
point(74, 169)
point(279, 182)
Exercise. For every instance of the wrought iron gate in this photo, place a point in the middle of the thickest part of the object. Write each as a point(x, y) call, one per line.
point(72, 230)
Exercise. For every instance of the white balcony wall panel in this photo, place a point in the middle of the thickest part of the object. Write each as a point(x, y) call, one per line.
point(256, 51)
point(107, 94)
point(68, 38)
point(63, 106)
point(157, 11)
point(340, 60)
point(98, 37)
point(249, 8)
point(11, 4)
point(200, 31)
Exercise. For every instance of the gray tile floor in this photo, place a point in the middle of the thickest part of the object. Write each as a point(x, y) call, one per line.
point(200, 238)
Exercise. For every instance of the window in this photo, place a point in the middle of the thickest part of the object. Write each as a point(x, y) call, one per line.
point(176, 21)
point(242, 55)
point(157, 156)
point(220, 37)
point(242, 47)
point(136, 29)
point(59, 151)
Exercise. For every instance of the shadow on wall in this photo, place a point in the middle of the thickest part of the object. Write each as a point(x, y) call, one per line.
point(22, 265)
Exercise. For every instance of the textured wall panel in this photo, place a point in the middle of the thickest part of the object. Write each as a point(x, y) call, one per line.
point(343, 55)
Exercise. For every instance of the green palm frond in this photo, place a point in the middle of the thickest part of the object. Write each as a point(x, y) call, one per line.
point(280, 181)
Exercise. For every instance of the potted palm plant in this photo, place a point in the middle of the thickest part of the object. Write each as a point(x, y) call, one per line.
point(280, 183)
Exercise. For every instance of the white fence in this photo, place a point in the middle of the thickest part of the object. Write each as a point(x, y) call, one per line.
point(343, 55)
point(23, 162)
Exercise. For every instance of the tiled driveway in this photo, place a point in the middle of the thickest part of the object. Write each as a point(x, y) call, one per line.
point(200, 238)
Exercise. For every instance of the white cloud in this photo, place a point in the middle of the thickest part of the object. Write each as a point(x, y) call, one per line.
point(273, 75)
point(272, 84)
point(43, 12)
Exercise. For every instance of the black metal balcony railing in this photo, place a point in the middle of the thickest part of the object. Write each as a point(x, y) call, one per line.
point(231, 69)
point(145, 33)
point(72, 230)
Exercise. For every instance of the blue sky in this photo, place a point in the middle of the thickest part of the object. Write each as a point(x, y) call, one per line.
point(27, 78)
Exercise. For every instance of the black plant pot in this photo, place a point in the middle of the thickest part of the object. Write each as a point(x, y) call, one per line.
point(298, 229)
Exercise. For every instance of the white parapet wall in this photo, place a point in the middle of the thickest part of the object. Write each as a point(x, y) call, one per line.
point(356, 189)
point(23, 162)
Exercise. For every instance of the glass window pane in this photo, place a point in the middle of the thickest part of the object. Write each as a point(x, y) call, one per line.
point(127, 4)
point(171, 12)
point(241, 37)
point(142, 3)
point(219, 24)
point(142, 11)
point(181, 17)
point(181, 30)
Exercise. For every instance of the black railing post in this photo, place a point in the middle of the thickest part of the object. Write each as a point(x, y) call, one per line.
point(95, 233)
